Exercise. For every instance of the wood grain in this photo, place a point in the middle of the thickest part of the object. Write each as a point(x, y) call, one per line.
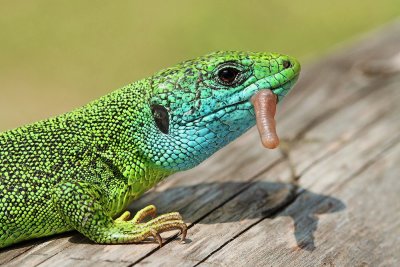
point(328, 197)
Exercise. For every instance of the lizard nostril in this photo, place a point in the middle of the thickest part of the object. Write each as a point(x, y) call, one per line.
point(287, 64)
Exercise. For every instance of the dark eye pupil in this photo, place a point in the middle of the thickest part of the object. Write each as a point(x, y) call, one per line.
point(287, 64)
point(161, 118)
point(228, 75)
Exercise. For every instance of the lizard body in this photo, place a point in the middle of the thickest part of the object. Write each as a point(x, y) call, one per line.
point(80, 170)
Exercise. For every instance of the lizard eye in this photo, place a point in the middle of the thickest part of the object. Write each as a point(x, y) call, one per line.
point(161, 117)
point(228, 75)
point(287, 64)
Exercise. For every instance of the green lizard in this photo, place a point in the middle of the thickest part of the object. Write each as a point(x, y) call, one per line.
point(80, 170)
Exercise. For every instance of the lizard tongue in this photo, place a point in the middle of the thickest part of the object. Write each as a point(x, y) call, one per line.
point(264, 103)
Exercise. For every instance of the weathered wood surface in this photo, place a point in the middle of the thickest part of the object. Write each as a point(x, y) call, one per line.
point(330, 196)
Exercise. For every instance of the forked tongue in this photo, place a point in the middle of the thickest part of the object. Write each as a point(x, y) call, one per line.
point(264, 103)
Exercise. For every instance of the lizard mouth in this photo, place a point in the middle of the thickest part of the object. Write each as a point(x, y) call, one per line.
point(279, 90)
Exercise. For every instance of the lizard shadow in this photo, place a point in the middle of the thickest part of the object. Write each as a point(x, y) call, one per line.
point(214, 203)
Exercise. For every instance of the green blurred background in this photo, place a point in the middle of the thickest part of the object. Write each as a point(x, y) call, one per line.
point(57, 55)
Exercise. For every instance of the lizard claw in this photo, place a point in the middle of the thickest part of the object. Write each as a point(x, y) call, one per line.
point(169, 225)
point(157, 237)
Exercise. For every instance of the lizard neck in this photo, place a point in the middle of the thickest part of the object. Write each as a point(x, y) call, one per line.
point(141, 174)
point(111, 125)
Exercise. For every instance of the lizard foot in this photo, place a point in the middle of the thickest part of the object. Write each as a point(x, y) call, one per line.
point(155, 226)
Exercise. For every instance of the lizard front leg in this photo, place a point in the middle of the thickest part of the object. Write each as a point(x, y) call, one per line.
point(80, 205)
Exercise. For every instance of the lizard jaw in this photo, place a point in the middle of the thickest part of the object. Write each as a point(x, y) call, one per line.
point(247, 94)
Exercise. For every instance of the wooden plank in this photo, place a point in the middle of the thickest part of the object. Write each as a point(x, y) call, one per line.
point(10, 255)
point(365, 233)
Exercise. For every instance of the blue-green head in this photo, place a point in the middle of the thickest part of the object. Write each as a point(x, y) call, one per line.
point(200, 105)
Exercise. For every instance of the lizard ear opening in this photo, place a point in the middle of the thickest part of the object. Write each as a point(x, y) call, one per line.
point(161, 117)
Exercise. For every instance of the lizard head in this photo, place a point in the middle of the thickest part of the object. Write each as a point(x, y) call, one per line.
point(201, 105)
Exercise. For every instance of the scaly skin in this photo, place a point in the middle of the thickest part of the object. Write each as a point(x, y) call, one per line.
point(82, 169)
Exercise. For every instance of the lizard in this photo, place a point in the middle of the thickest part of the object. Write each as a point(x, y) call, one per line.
point(80, 170)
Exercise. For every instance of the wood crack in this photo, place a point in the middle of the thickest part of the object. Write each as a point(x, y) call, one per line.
point(358, 96)
point(388, 147)
point(291, 198)
point(246, 186)
point(296, 192)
